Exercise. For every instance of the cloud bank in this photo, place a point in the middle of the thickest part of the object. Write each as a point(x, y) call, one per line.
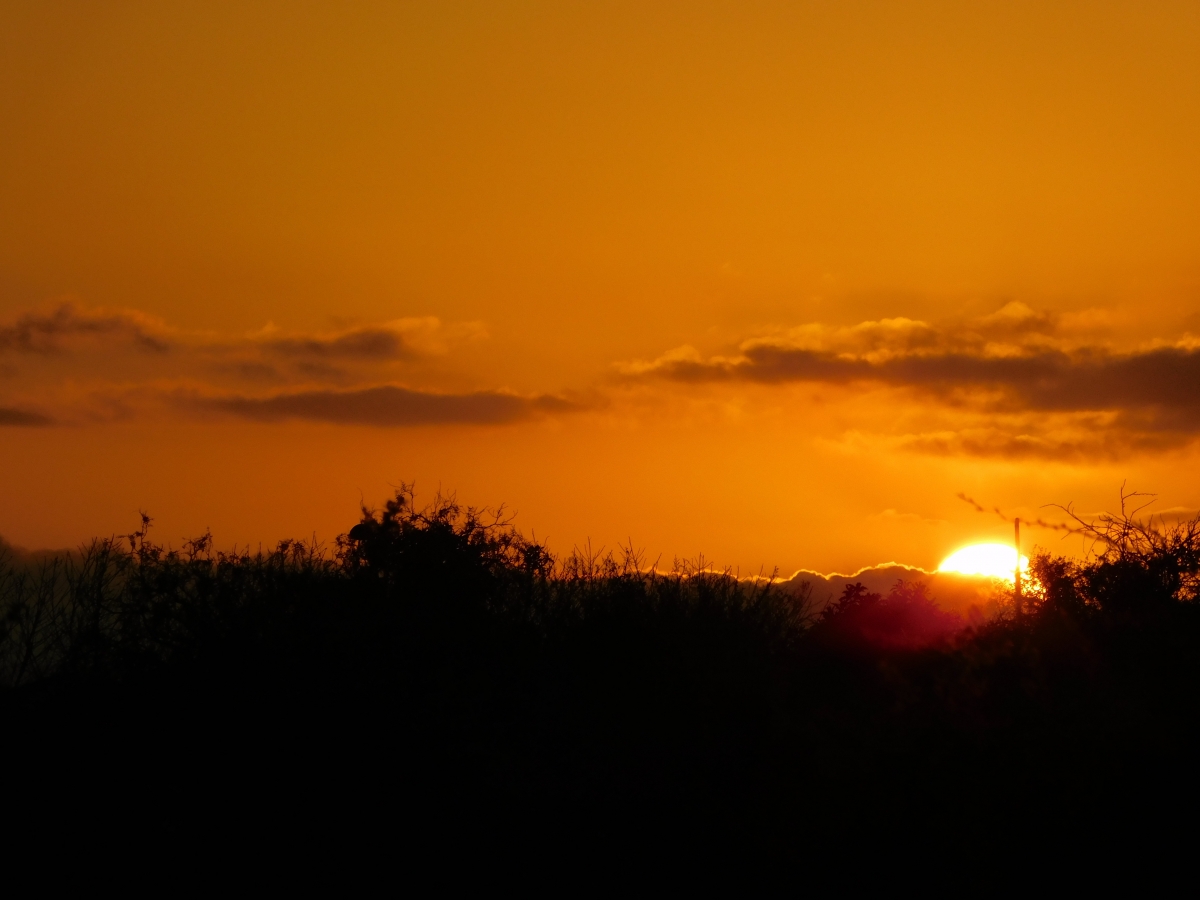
point(53, 331)
point(1027, 381)
point(74, 365)
point(1015, 383)
point(388, 405)
point(22, 418)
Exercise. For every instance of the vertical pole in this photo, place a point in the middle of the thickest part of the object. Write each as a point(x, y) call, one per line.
point(1017, 573)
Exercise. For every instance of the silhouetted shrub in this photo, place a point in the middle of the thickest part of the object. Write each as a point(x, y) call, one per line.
point(437, 662)
point(907, 618)
point(1139, 569)
point(440, 550)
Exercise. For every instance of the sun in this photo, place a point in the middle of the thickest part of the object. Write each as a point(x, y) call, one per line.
point(991, 560)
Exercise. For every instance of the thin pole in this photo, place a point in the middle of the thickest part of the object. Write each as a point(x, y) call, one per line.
point(1017, 573)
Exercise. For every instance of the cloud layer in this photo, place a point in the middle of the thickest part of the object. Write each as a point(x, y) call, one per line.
point(1016, 383)
point(390, 406)
point(50, 332)
point(1019, 382)
point(73, 365)
point(22, 418)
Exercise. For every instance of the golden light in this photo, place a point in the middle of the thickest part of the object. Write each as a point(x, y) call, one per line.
point(990, 560)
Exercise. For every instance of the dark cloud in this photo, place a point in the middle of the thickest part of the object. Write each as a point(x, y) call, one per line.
point(1016, 383)
point(1156, 389)
point(355, 355)
point(1110, 444)
point(391, 406)
point(78, 363)
point(255, 371)
point(21, 419)
point(370, 343)
point(38, 332)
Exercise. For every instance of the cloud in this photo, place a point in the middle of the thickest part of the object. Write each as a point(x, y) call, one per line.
point(47, 332)
point(88, 365)
point(21, 418)
point(1176, 514)
point(1029, 367)
point(1016, 383)
point(99, 338)
point(389, 406)
point(1112, 442)
point(895, 517)
point(1165, 377)
point(362, 343)
point(400, 339)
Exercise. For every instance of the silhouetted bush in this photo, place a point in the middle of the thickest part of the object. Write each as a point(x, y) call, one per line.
point(437, 661)
point(907, 618)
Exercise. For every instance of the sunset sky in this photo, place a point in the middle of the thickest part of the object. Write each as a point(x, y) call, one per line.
point(775, 282)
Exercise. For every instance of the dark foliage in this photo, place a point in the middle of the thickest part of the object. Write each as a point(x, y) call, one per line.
point(437, 664)
point(907, 618)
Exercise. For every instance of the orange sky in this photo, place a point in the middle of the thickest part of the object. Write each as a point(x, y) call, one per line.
point(771, 281)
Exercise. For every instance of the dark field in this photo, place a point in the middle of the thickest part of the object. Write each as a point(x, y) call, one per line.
point(437, 681)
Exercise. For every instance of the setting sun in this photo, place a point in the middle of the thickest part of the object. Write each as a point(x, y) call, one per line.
point(992, 560)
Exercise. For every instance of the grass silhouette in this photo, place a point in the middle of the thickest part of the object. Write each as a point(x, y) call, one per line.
point(436, 662)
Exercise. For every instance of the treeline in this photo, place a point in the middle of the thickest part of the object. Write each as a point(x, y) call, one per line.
point(436, 660)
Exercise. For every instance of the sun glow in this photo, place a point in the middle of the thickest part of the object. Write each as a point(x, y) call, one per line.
point(991, 560)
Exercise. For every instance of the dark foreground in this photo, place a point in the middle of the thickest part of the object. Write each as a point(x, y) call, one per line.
point(440, 685)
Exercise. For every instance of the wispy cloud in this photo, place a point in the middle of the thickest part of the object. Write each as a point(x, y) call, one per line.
point(400, 339)
point(70, 331)
point(1018, 383)
point(72, 364)
point(58, 329)
point(388, 406)
point(22, 418)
